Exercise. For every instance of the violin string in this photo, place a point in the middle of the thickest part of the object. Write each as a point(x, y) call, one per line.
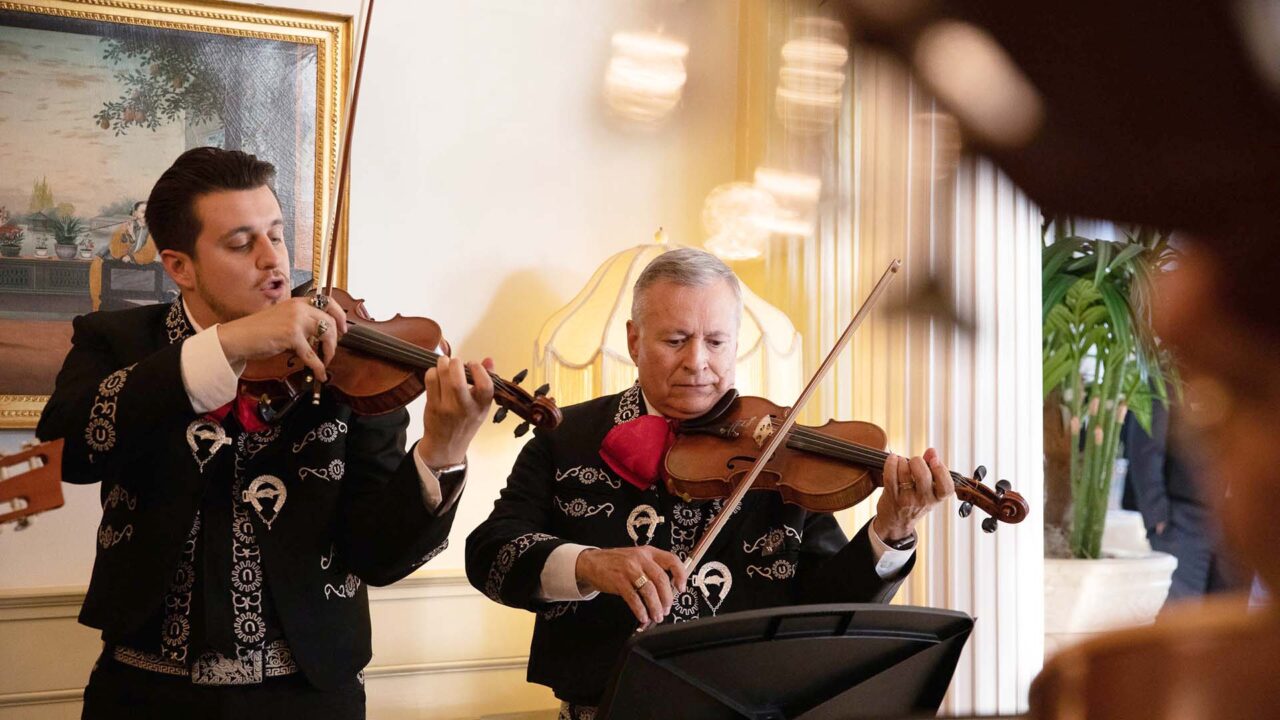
point(816, 441)
point(397, 349)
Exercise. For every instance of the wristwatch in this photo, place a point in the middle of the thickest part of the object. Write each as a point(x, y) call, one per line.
point(457, 467)
point(906, 543)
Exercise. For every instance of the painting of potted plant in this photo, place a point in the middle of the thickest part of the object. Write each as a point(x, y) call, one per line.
point(66, 235)
point(42, 246)
point(11, 238)
point(1101, 361)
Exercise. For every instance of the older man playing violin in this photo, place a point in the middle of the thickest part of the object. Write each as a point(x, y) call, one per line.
point(586, 535)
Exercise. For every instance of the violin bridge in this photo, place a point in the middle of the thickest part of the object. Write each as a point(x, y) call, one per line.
point(763, 431)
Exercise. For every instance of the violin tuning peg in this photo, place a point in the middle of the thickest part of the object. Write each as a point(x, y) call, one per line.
point(546, 388)
point(520, 376)
point(500, 415)
point(22, 523)
point(965, 508)
point(979, 474)
point(521, 429)
point(989, 525)
point(1003, 487)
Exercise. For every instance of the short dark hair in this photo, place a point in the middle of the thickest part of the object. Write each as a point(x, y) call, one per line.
point(171, 208)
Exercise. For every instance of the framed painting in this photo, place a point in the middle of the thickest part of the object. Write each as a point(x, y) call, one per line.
point(97, 98)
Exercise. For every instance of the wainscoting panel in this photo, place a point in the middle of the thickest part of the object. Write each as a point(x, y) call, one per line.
point(441, 651)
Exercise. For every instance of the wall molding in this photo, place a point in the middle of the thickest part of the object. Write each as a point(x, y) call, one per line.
point(65, 601)
point(373, 672)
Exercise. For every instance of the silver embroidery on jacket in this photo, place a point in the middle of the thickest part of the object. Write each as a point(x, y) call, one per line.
point(100, 433)
point(427, 558)
point(120, 496)
point(176, 634)
point(579, 508)
point(644, 519)
point(506, 560)
point(327, 432)
point(205, 437)
point(332, 473)
point(628, 405)
point(347, 589)
point(270, 490)
point(772, 541)
point(175, 323)
point(781, 569)
point(588, 475)
point(109, 537)
point(714, 580)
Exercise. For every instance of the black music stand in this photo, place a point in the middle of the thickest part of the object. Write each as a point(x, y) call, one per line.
point(807, 662)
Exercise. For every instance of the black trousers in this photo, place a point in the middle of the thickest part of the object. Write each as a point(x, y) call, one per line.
point(117, 692)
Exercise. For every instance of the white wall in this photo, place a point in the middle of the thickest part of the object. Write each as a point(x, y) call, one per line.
point(488, 184)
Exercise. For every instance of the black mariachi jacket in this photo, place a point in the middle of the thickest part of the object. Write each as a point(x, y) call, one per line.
point(336, 502)
point(561, 491)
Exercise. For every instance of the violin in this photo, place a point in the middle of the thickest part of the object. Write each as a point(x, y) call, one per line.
point(822, 469)
point(377, 366)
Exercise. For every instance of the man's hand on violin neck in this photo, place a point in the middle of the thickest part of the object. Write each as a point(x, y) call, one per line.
point(293, 325)
point(911, 489)
point(455, 409)
point(618, 571)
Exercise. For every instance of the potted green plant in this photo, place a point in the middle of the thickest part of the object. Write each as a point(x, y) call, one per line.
point(1101, 362)
point(11, 238)
point(66, 235)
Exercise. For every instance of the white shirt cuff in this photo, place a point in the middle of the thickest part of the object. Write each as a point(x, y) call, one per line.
point(559, 579)
point(433, 495)
point(888, 560)
point(209, 378)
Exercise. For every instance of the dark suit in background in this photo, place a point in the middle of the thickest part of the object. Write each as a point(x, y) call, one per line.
point(1176, 508)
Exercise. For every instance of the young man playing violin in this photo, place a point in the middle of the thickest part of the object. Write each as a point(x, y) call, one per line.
point(233, 556)
point(595, 546)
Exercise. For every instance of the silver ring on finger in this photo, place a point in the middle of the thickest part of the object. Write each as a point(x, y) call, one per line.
point(640, 582)
point(320, 302)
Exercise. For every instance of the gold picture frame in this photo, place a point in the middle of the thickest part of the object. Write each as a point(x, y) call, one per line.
point(97, 97)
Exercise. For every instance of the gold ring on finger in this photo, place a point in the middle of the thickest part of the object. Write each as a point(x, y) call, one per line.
point(640, 582)
point(322, 327)
point(906, 485)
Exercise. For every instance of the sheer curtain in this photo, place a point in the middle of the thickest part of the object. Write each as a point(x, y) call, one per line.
point(895, 186)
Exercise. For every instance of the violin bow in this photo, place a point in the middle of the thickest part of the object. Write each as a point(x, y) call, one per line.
point(338, 195)
point(780, 434)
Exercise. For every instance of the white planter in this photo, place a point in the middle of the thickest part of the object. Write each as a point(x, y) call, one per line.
point(1083, 598)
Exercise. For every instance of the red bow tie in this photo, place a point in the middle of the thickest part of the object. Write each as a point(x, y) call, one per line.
point(635, 449)
point(246, 413)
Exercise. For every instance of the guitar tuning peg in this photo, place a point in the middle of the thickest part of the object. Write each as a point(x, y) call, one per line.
point(521, 429)
point(966, 508)
point(520, 376)
point(1002, 487)
point(979, 473)
point(500, 415)
point(989, 525)
point(546, 388)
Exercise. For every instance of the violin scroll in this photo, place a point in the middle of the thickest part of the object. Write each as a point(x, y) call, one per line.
point(1001, 503)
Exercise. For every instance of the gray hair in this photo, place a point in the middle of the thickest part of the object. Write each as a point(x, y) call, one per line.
point(688, 267)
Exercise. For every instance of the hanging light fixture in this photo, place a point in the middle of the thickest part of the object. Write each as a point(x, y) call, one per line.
point(582, 348)
point(735, 216)
point(645, 77)
point(811, 79)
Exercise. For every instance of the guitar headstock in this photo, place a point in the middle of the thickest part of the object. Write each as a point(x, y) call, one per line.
point(1001, 503)
point(34, 489)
